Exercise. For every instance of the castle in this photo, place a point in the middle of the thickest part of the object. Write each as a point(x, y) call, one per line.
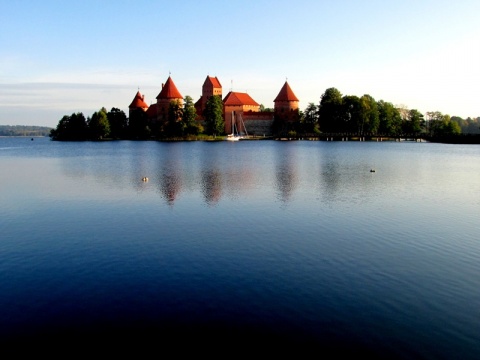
point(238, 107)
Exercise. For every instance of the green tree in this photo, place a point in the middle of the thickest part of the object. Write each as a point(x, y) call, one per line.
point(434, 119)
point(73, 127)
point(138, 127)
point(264, 109)
point(442, 125)
point(98, 125)
point(469, 125)
point(189, 117)
point(330, 110)
point(214, 115)
point(175, 126)
point(452, 128)
point(370, 117)
point(414, 123)
point(310, 118)
point(118, 123)
point(350, 118)
point(390, 119)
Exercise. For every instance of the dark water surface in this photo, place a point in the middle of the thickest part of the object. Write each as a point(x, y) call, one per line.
point(249, 245)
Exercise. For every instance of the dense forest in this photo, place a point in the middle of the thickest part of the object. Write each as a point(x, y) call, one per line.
point(114, 124)
point(348, 114)
point(24, 130)
point(468, 125)
point(334, 114)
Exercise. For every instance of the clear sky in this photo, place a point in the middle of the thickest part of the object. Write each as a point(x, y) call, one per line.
point(61, 57)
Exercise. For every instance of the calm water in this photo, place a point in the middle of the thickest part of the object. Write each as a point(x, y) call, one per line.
point(264, 243)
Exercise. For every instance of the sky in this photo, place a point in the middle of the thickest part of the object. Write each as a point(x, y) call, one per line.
point(62, 57)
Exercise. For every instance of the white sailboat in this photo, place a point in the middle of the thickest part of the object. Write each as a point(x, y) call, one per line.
point(242, 125)
point(234, 136)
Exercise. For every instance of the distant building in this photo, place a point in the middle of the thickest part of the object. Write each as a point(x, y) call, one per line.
point(152, 112)
point(168, 94)
point(237, 106)
point(137, 103)
point(211, 86)
point(286, 104)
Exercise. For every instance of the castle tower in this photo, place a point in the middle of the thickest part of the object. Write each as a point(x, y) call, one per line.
point(211, 86)
point(137, 103)
point(168, 93)
point(286, 104)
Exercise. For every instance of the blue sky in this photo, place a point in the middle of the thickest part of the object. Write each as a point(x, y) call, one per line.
point(60, 57)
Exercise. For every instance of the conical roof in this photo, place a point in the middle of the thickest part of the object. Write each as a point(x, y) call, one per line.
point(169, 91)
point(286, 94)
point(138, 102)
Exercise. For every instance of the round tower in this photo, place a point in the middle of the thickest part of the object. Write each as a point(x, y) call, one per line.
point(286, 104)
point(168, 94)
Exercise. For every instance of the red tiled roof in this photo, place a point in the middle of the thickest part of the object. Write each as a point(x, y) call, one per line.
point(286, 94)
point(237, 98)
point(214, 81)
point(152, 111)
point(138, 102)
point(169, 91)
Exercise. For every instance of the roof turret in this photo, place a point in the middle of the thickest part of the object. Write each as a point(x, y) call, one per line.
point(138, 102)
point(169, 91)
point(286, 94)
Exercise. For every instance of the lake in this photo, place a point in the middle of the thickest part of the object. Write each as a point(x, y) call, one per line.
point(267, 245)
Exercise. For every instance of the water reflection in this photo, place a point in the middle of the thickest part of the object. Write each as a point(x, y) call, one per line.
point(330, 175)
point(356, 268)
point(286, 173)
point(138, 168)
point(212, 186)
point(344, 173)
point(215, 170)
point(329, 171)
point(168, 177)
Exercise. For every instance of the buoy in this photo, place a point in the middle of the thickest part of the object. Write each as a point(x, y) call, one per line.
point(145, 179)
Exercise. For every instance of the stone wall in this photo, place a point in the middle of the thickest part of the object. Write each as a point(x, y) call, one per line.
point(258, 123)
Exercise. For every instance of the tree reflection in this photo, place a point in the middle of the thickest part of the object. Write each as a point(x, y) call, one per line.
point(170, 186)
point(286, 172)
point(212, 185)
point(170, 172)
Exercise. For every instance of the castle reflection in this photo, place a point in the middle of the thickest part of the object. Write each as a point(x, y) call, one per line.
point(222, 171)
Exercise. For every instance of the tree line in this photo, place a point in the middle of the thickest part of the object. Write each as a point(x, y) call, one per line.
point(468, 125)
point(335, 114)
point(100, 125)
point(349, 114)
point(180, 122)
point(24, 130)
